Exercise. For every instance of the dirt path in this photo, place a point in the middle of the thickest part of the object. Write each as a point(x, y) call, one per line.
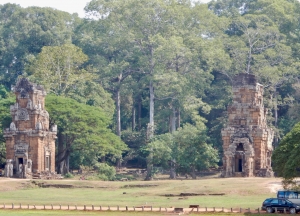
point(4, 179)
point(274, 185)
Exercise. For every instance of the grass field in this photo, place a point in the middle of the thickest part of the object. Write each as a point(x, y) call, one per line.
point(238, 192)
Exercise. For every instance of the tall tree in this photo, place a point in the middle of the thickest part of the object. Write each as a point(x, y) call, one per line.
point(23, 38)
point(111, 55)
point(156, 31)
point(285, 158)
point(6, 100)
point(62, 71)
point(188, 147)
point(82, 129)
point(59, 68)
point(257, 42)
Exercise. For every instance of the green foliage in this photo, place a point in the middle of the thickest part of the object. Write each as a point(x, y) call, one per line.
point(105, 172)
point(68, 175)
point(187, 147)
point(6, 100)
point(84, 129)
point(170, 63)
point(161, 146)
point(93, 94)
point(59, 68)
point(193, 151)
point(120, 177)
point(22, 39)
point(285, 158)
point(135, 140)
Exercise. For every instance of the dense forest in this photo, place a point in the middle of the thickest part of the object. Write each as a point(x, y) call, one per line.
point(146, 83)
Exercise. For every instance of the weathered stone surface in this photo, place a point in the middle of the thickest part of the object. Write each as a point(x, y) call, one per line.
point(247, 140)
point(30, 145)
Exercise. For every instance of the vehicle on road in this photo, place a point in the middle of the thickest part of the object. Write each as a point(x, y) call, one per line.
point(291, 195)
point(264, 204)
point(280, 204)
point(288, 194)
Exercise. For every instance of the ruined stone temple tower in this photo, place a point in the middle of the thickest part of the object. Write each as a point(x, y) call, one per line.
point(30, 144)
point(247, 140)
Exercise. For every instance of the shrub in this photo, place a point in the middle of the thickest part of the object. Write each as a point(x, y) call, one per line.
point(68, 175)
point(105, 172)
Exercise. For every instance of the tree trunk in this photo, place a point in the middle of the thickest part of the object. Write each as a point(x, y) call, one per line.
point(150, 133)
point(173, 126)
point(170, 124)
point(66, 167)
point(68, 162)
point(149, 160)
point(178, 118)
point(173, 162)
point(275, 110)
point(60, 151)
point(193, 173)
point(133, 118)
point(173, 169)
point(249, 58)
point(64, 164)
point(118, 107)
point(118, 163)
point(140, 112)
point(276, 118)
point(151, 117)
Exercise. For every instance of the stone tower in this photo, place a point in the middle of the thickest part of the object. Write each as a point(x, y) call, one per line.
point(30, 144)
point(247, 140)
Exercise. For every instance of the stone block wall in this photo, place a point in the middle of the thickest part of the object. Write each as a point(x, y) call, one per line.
point(247, 140)
point(30, 143)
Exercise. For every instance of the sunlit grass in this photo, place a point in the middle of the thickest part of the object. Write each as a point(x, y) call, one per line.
point(239, 192)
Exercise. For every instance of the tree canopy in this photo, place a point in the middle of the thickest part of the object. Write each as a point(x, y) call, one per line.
point(156, 73)
point(286, 157)
point(82, 128)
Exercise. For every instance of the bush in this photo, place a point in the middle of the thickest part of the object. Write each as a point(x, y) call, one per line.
point(119, 177)
point(68, 175)
point(105, 172)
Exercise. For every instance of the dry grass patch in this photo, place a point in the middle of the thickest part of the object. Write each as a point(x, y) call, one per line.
point(238, 192)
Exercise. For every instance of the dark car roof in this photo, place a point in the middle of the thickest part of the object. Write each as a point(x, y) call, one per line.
point(269, 199)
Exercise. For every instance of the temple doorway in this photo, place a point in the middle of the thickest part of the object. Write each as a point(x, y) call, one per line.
point(239, 157)
point(238, 163)
point(20, 160)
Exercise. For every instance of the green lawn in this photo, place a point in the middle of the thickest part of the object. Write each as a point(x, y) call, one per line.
point(239, 192)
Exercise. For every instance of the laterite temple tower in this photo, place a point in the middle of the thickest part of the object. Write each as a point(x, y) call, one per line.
point(247, 140)
point(30, 144)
